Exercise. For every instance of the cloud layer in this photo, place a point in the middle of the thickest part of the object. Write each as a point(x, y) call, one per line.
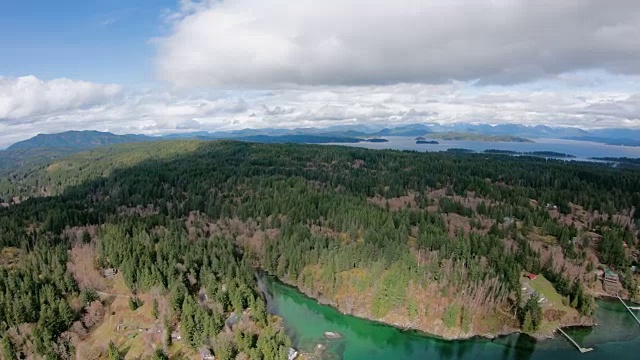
point(27, 96)
point(360, 42)
point(50, 108)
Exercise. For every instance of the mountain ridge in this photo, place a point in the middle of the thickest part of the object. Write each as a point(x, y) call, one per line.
point(85, 139)
point(88, 139)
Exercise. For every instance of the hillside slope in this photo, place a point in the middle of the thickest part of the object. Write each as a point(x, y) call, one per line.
point(76, 140)
point(437, 242)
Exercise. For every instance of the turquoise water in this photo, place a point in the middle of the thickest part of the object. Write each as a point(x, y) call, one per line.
point(617, 337)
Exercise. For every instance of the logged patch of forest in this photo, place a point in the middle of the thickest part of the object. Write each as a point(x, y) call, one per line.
point(433, 241)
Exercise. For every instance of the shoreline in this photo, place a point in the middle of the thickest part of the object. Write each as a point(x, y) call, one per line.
point(403, 328)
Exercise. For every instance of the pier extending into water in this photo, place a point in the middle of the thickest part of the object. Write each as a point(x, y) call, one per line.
point(629, 309)
point(580, 348)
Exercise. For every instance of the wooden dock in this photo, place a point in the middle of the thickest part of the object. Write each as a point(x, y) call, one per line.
point(628, 309)
point(580, 348)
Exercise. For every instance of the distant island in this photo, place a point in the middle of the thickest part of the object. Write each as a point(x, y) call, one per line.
point(550, 154)
point(431, 142)
point(628, 160)
point(376, 140)
point(619, 162)
point(553, 154)
point(607, 141)
point(460, 151)
point(503, 152)
point(458, 136)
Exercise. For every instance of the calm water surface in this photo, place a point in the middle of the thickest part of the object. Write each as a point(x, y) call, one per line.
point(617, 337)
point(582, 150)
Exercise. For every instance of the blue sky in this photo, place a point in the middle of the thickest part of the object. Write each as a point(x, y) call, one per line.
point(163, 66)
point(98, 40)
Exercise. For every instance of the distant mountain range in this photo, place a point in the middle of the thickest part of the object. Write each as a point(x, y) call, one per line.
point(49, 146)
point(356, 131)
point(515, 130)
point(92, 139)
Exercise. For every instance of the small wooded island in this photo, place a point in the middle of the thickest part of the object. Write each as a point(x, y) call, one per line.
point(460, 151)
point(550, 154)
point(553, 154)
point(459, 136)
point(167, 237)
point(376, 140)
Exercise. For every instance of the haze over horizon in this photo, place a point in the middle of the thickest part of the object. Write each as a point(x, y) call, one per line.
point(157, 67)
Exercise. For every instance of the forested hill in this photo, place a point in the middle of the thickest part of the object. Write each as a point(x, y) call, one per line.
point(45, 178)
point(41, 149)
point(76, 140)
point(432, 241)
point(44, 148)
point(11, 160)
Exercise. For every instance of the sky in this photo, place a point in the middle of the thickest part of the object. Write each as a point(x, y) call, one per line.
point(167, 66)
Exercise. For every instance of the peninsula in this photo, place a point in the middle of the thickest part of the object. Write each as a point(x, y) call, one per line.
point(462, 136)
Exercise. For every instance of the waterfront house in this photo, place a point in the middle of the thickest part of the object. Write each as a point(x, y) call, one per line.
point(611, 276)
point(293, 353)
point(531, 276)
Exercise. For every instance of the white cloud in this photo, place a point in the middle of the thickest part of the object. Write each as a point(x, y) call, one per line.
point(190, 124)
point(29, 96)
point(380, 63)
point(338, 42)
point(160, 111)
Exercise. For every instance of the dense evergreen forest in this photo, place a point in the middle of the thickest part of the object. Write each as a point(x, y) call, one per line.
point(405, 237)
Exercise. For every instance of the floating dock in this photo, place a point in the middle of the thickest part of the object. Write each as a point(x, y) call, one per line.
point(580, 348)
point(629, 309)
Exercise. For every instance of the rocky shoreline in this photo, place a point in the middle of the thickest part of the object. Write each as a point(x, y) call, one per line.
point(441, 333)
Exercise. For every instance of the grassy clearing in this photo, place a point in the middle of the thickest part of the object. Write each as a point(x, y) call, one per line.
point(136, 333)
point(538, 235)
point(9, 257)
point(554, 302)
point(545, 287)
point(494, 322)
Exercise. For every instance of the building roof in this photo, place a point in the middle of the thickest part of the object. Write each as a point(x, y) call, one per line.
point(610, 276)
point(609, 273)
point(292, 354)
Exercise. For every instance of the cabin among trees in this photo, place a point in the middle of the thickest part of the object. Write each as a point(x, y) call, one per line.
point(205, 354)
point(175, 335)
point(610, 281)
point(109, 272)
point(611, 277)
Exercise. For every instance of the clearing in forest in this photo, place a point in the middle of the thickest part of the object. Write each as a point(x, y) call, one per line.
point(553, 308)
point(136, 333)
